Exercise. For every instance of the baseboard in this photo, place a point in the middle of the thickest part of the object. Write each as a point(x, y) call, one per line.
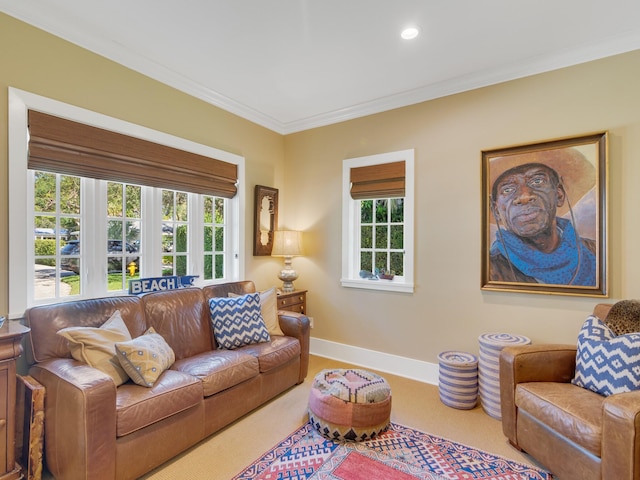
point(383, 362)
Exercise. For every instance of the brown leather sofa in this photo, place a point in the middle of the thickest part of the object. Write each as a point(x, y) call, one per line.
point(95, 430)
point(573, 432)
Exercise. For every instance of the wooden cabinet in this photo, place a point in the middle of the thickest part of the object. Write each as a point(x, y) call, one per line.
point(293, 301)
point(11, 335)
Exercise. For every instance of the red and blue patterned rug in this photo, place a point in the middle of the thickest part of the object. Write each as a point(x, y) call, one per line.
point(400, 453)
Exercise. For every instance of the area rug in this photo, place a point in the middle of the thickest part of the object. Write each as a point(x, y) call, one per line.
point(400, 453)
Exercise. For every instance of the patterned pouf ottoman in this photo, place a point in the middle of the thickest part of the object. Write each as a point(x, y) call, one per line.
point(349, 404)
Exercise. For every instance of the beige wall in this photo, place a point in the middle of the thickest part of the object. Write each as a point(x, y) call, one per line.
point(37, 62)
point(448, 310)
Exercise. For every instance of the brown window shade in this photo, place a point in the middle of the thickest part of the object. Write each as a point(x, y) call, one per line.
point(71, 148)
point(385, 180)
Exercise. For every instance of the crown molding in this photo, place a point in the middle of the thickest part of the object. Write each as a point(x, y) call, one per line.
point(624, 42)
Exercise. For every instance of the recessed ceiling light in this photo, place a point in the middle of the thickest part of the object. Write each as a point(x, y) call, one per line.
point(410, 33)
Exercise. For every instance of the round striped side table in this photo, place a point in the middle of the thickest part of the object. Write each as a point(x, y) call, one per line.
point(491, 344)
point(458, 379)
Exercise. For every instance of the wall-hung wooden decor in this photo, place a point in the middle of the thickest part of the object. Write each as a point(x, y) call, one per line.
point(265, 220)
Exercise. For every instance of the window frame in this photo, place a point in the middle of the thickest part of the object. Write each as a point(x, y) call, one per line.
point(351, 225)
point(21, 269)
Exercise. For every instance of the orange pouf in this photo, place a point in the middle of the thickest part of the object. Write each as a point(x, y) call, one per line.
point(350, 404)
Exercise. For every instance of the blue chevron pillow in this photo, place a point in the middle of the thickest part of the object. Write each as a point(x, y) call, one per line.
point(237, 321)
point(607, 364)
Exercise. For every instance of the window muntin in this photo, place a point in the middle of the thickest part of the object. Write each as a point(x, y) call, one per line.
point(378, 232)
point(382, 236)
point(175, 232)
point(124, 229)
point(214, 237)
point(56, 218)
point(59, 260)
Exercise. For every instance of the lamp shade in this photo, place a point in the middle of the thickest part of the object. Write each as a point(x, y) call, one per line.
point(287, 243)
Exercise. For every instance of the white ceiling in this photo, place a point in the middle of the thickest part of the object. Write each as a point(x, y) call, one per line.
point(290, 65)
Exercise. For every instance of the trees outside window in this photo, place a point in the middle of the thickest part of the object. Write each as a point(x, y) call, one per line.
point(382, 236)
point(65, 257)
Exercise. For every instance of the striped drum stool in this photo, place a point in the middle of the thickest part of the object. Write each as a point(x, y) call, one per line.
point(491, 344)
point(458, 379)
point(349, 404)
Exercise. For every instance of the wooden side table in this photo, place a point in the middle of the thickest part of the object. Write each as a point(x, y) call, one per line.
point(11, 335)
point(293, 301)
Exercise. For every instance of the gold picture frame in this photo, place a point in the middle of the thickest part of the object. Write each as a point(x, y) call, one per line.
point(265, 219)
point(544, 217)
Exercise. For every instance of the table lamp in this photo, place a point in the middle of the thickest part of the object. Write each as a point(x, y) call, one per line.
point(287, 244)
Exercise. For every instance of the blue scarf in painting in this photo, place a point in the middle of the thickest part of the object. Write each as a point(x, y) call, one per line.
point(555, 268)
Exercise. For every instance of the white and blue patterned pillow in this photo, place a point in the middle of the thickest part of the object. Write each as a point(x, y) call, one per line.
point(237, 321)
point(607, 364)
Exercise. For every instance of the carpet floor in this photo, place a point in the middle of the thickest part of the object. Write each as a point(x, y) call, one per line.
point(228, 452)
point(400, 453)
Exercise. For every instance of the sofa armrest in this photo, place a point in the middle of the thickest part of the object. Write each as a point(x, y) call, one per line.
point(297, 325)
point(621, 436)
point(80, 404)
point(531, 363)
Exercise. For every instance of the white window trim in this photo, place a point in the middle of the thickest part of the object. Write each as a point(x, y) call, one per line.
point(351, 234)
point(21, 235)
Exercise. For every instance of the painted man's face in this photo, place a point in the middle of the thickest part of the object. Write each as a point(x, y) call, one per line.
point(527, 198)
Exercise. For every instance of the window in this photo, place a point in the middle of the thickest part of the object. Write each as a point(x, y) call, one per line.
point(124, 231)
point(382, 236)
point(175, 232)
point(377, 216)
point(78, 234)
point(214, 222)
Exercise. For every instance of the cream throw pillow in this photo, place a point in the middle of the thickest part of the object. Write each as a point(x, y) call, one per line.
point(95, 346)
point(268, 310)
point(144, 358)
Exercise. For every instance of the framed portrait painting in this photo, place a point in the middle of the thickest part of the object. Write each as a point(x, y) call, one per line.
point(544, 217)
point(265, 219)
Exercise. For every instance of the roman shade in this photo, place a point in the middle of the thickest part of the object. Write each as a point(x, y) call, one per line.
point(385, 180)
point(71, 148)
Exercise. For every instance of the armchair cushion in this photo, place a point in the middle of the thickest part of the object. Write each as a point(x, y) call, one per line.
point(607, 364)
point(575, 413)
point(237, 321)
point(95, 346)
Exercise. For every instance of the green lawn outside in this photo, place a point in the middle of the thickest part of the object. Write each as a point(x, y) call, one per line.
point(114, 280)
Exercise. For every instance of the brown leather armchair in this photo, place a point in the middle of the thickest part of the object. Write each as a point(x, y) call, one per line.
point(571, 431)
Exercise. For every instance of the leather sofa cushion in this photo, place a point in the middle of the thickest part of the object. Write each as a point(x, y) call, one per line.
point(569, 410)
point(182, 317)
point(224, 289)
point(219, 369)
point(45, 320)
point(138, 407)
point(275, 353)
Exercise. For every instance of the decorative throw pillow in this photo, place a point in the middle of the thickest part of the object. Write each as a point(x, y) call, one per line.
point(95, 346)
point(624, 317)
point(237, 321)
point(607, 364)
point(269, 310)
point(144, 358)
